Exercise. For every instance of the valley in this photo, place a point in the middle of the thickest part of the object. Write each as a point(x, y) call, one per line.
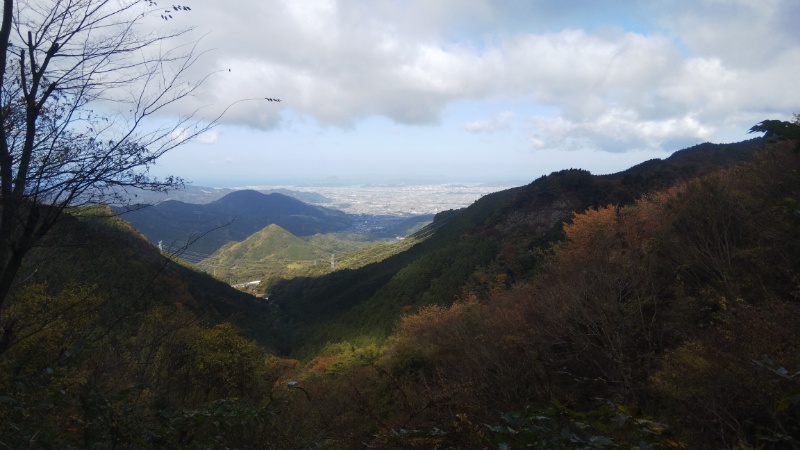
point(209, 227)
point(402, 225)
point(527, 309)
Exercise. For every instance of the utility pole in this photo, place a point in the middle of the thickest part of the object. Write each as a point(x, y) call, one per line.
point(333, 264)
point(160, 246)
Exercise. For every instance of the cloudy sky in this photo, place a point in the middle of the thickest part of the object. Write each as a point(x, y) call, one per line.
point(471, 90)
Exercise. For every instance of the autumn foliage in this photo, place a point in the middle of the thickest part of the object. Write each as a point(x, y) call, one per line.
point(669, 322)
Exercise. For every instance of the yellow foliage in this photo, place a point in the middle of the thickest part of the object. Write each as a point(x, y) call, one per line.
point(683, 364)
point(47, 327)
point(229, 364)
point(591, 227)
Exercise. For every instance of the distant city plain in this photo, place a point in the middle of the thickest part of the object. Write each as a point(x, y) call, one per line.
point(397, 199)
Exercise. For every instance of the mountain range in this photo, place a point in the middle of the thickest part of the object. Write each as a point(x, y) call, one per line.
point(253, 232)
point(203, 194)
point(499, 237)
point(203, 228)
point(656, 307)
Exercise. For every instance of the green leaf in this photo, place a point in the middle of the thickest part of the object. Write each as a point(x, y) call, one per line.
point(786, 402)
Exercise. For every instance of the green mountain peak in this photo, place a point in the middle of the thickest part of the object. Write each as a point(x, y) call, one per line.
point(271, 244)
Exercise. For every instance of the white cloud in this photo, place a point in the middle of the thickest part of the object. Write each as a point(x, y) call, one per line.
point(743, 33)
point(500, 121)
point(179, 134)
point(209, 137)
point(182, 134)
point(684, 71)
point(617, 131)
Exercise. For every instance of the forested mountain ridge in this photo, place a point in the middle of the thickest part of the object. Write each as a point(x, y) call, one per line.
point(234, 217)
point(93, 247)
point(578, 320)
point(667, 322)
point(488, 246)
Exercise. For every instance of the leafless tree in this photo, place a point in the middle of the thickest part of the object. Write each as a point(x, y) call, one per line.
point(81, 81)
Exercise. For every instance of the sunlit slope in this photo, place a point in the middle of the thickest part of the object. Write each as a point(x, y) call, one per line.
point(273, 254)
point(270, 245)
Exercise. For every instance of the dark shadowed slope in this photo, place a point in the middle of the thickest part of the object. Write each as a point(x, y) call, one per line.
point(95, 248)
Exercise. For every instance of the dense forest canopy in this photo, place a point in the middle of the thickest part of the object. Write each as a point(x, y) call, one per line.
point(654, 308)
point(580, 319)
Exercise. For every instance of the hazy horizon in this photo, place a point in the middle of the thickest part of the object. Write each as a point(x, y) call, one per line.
point(334, 181)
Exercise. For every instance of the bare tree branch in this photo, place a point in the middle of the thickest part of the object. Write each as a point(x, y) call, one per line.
point(81, 81)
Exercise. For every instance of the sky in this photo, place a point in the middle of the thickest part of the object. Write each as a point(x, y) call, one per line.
point(476, 91)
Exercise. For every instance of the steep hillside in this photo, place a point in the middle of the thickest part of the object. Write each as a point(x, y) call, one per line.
point(497, 241)
point(105, 343)
point(207, 227)
point(95, 248)
point(670, 322)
